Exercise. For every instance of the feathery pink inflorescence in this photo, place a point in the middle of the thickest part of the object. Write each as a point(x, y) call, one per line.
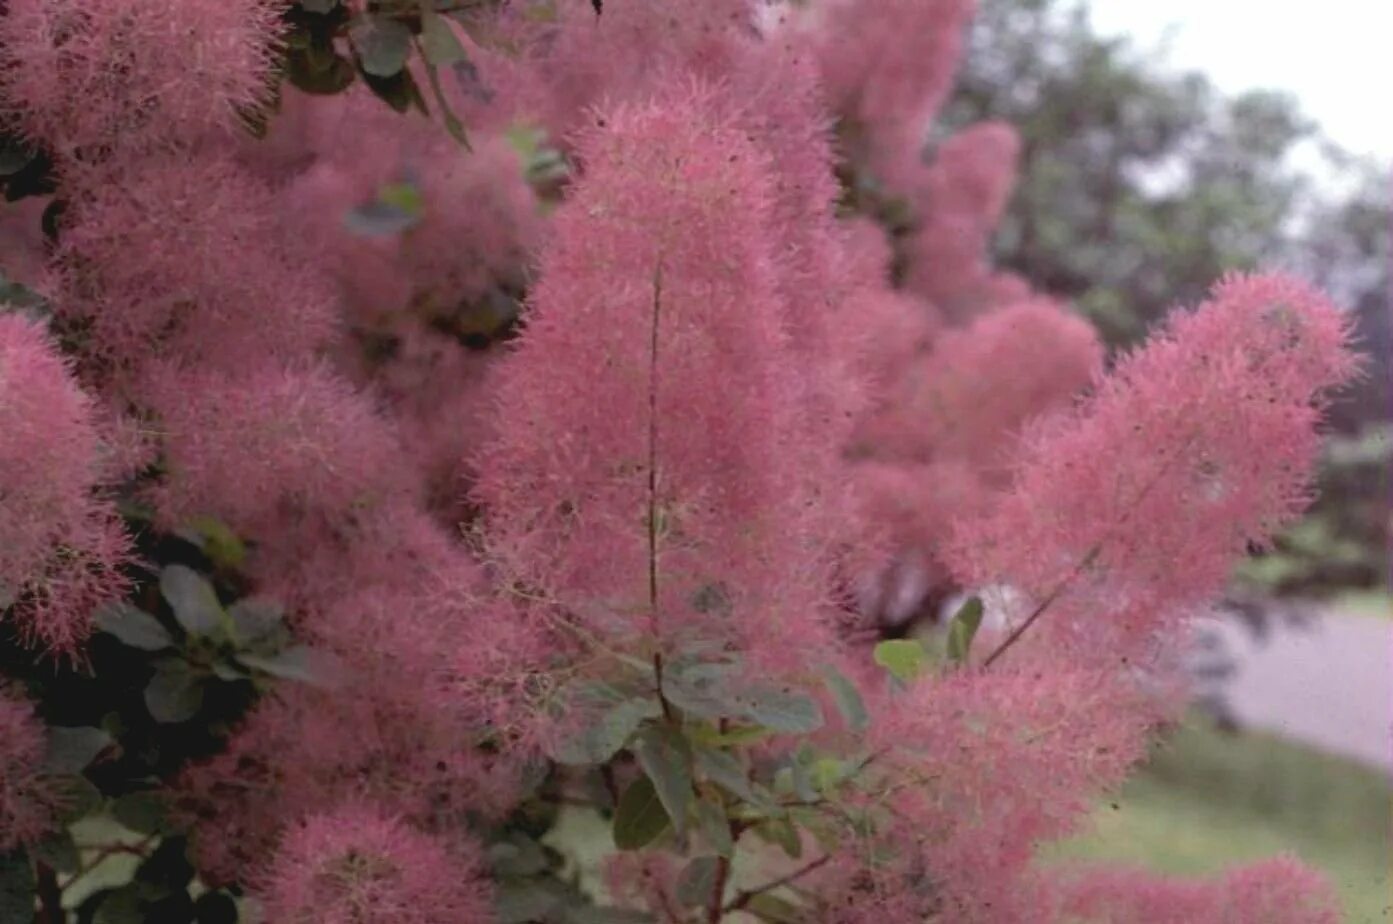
point(28, 805)
point(971, 396)
point(959, 201)
point(86, 77)
point(62, 547)
point(888, 66)
point(359, 865)
point(184, 259)
point(654, 372)
point(572, 59)
point(1277, 891)
point(1135, 504)
point(985, 767)
point(394, 607)
point(298, 444)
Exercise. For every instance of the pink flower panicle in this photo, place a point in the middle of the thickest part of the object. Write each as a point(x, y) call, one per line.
point(86, 78)
point(1277, 891)
point(62, 547)
point(986, 766)
point(1134, 505)
point(960, 200)
point(651, 388)
point(969, 399)
point(291, 440)
point(578, 60)
point(356, 865)
point(184, 259)
point(28, 805)
point(888, 66)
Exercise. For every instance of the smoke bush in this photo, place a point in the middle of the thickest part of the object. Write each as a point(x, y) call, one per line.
point(453, 422)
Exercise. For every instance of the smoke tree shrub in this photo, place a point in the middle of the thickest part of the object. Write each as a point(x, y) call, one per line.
point(437, 422)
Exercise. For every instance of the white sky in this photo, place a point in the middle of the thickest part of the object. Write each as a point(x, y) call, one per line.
point(1336, 56)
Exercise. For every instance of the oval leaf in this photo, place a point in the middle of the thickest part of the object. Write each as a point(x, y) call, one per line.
point(904, 658)
point(174, 694)
point(697, 881)
point(848, 699)
point(382, 44)
point(193, 600)
point(639, 818)
point(666, 757)
point(963, 628)
point(133, 627)
point(70, 750)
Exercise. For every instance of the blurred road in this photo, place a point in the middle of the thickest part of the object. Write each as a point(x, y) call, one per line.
point(1327, 684)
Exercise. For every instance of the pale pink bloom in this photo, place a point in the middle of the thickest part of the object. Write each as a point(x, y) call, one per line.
point(887, 66)
point(301, 446)
point(86, 78)
point(28, 803)
point(972, 772)
point(62, 547)
point(958, 202)
point(970, 397)
point(182, 257)
point(1277, 891)
point(652, 386)
point(1131, 507)
point(360, 865)
point(578, 60)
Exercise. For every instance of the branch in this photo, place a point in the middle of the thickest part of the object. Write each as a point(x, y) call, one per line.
point(745, 896)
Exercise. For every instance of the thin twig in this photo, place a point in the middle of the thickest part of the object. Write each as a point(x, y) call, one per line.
point(745, 896)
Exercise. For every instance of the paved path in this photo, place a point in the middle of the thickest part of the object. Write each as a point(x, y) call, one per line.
point(1328, 684)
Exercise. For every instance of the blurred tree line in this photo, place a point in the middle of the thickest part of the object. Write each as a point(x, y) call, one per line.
point(1141, 184)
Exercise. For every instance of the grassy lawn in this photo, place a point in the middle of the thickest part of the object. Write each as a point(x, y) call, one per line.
point(1207, 801)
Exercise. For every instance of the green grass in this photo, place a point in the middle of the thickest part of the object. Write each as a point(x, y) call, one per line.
point(1207, 801)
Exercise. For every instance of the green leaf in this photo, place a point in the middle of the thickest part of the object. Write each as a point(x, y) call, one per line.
point(774, 910)
point(904, 658)
point(825, 773)
point(133, 627)
point(383, 45)
point(666, 757)
point(639, 818)
point(404, 196)
point(848, 699)
point(71, 749)
point(439, 43)
point(605, 731)
point(963, 628)
point(322, 72)
point(193, 600)
point(259, 625)
point(222, 546)
point(725, 771)
point(299, 663)
point(121, 906)
point(59, 851)
point(17, 886)
point(701, 689)
point(78, 797)
point(174, 694)
point(715, 828)
point(697, 881)
point(782, 832)
point(143, 812)
point(731, 737)
point(786, 711)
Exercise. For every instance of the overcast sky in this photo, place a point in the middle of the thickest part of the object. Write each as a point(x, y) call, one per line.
point(1335, 55)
